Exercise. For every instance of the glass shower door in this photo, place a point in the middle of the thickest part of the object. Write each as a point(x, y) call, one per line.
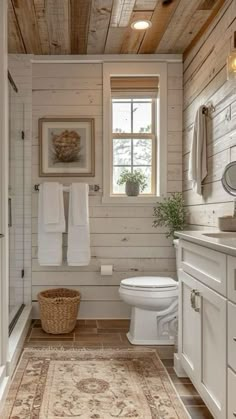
point(16, 205)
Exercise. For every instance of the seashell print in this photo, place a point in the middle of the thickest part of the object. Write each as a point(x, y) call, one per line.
point(66, 146)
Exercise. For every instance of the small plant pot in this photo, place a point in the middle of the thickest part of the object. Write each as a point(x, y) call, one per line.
point(132, 188)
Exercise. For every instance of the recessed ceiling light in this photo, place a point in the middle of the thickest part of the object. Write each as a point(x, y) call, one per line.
point(141, 25)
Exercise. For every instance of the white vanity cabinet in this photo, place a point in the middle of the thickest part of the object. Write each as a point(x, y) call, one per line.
point(203, 323)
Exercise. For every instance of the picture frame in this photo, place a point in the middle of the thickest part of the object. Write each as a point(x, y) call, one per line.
point(66, 147)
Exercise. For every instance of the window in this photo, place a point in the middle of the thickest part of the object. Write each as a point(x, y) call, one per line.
point(134, 128)
point(134, 140)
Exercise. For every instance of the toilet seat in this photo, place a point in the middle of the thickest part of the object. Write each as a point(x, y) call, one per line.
point(149, 284)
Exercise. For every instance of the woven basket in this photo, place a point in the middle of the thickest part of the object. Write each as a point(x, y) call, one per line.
point(58, 310)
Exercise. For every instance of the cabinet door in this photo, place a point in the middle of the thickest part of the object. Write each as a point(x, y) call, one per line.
point(232, 336)
point(212, 347)
point(231, 394)
point(231, 269)
point(189, 327)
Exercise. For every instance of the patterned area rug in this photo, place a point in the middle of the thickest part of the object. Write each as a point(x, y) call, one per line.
point(92, 384)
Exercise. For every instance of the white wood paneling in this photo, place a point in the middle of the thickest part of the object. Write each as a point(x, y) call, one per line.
point(96, 310)
point(163, 266)
point(205, 82)
point(122, 236)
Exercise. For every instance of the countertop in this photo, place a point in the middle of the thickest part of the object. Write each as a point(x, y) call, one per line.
point(225, 242)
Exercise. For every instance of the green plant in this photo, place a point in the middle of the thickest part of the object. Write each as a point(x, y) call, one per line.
point(170, 214)
point(135, 177)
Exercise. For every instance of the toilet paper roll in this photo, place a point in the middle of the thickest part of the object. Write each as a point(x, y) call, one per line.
point(106, 270)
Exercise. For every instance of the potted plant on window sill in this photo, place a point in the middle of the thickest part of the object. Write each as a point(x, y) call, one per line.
point(170, 214)
point(135, 182)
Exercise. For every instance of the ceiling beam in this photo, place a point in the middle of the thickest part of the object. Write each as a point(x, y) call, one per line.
point(181, 17)
point(58, 19)
point(99, 26)
point(80, 20)
point(27, 23)
point(145, 5)
point(195, 22)
point(207, 4)
point(15, 40)
point(204, 28)
point(121, 13)
point(40, 13)
point(160, 20)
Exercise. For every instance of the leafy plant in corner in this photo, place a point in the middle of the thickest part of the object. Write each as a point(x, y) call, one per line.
point(171, 214)
point(136, 178)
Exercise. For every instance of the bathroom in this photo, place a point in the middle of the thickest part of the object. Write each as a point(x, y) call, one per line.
point(67, 62)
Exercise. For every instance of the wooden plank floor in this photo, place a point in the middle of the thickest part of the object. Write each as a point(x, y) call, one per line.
point(112, 334)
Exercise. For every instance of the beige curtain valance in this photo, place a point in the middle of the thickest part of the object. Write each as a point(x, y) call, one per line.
point(135, 84)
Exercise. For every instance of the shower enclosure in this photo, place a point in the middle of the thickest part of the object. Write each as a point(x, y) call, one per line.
point(16, 204)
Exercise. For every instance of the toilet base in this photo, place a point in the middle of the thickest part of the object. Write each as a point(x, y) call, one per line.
point(151, 328)
point(134, 341)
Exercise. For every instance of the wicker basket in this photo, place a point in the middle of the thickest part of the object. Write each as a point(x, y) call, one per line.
point(58, 310)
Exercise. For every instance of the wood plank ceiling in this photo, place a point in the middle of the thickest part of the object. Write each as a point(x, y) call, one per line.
point(103, 26)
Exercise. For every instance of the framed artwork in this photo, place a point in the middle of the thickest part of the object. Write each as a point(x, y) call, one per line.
point(66, 147)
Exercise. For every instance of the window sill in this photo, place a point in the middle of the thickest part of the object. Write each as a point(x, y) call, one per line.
point(131, 200)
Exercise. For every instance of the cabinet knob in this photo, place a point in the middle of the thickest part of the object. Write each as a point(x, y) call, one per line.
point(234, 414)
point(234, 339)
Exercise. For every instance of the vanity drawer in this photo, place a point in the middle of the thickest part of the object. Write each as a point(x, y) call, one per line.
point(206, 265)
point(232, 278)
point(232, 336)
point(231, 395)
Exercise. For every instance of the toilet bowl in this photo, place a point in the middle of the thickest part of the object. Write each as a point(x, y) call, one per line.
point(154, 302)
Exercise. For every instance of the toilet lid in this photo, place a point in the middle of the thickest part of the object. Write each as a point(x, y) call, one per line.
point(149, 282)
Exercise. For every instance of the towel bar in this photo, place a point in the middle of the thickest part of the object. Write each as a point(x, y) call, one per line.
point(92, 188)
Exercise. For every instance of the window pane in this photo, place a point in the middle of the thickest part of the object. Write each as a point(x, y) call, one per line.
point(147, 171)
point(142, 152)
point(142, 117)
point(120, 189)
point(121, 117)
point(121, 152)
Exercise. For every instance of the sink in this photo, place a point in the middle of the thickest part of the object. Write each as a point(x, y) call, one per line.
point(221, 235)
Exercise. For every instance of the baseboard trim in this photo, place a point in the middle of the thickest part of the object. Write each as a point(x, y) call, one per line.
point(179, 371)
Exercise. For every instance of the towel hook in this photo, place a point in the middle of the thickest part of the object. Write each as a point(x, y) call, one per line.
point(207, 110)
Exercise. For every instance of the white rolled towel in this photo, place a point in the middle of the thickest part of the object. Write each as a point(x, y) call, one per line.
point(78, 252)
point(51, 224)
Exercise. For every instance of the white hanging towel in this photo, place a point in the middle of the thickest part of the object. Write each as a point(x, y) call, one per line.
point(198, 155)
point(51, 224)
point(78, 252)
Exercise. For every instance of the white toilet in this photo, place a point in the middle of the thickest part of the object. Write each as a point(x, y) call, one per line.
point(154, 302)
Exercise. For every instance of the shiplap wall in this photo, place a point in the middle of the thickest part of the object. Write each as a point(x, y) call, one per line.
point(205, 82)
point(120, 235)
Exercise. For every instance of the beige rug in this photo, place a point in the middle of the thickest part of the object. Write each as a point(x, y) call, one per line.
point(92, 384)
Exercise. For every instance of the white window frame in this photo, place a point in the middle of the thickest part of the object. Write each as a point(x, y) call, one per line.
point(134, 69)
point(152, 136)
